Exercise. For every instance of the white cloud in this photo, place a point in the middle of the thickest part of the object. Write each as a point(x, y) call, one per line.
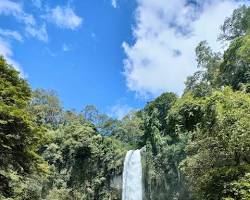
point(120, 110)
point(166, 34)
point(64, 17)
point(9, 7)
point(15, 9)
point(39, 32)
point(114, 3)
point(65, 47)
point(5, 50)
point(12, 34)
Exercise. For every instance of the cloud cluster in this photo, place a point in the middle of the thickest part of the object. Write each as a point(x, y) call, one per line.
point(12, 34)
point(33, 26)
point(38, 32)
point(114, 3)
point(166, 34)
point(15, 9)
point(64, 17)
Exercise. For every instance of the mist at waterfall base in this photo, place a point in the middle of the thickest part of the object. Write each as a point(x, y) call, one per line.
point(132, 176)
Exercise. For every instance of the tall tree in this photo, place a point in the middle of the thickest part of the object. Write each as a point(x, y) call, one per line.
point(237, 25)
point(19, 135)
point(235, 68)
point(202, 82)
point(46, 107)
point(218, 151)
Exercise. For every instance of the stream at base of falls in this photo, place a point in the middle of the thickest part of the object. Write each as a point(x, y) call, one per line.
point(132, 176)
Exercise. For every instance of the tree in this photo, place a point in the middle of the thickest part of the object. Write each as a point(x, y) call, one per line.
point(104, 124)
point(129, 130)
point(218, 151)
point(165, 150)
point(84, 162)
point(235, 68)
point(46, 107)
point(202, 82)
point(91, 113)
point(19, 135)
point(237, 25)
point(159, 108)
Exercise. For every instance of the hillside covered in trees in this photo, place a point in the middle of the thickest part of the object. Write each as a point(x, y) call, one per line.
point(197, 145)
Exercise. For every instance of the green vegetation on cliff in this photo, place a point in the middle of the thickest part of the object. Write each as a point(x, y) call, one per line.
point(197, 145)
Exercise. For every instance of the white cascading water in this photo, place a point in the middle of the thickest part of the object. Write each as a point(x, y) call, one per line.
point(132, 176)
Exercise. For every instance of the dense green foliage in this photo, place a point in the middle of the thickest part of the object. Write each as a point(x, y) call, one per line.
point(199, 148)
point(50, 153)
point(219, 148)
point(237, 25)
point(19, 134)
point(83, 161)
point(194, 147)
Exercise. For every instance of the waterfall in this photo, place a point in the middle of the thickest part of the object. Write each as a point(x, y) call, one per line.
point(132, 176)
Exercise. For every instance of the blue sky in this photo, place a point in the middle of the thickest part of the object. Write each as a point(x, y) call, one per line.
point(115, 54)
